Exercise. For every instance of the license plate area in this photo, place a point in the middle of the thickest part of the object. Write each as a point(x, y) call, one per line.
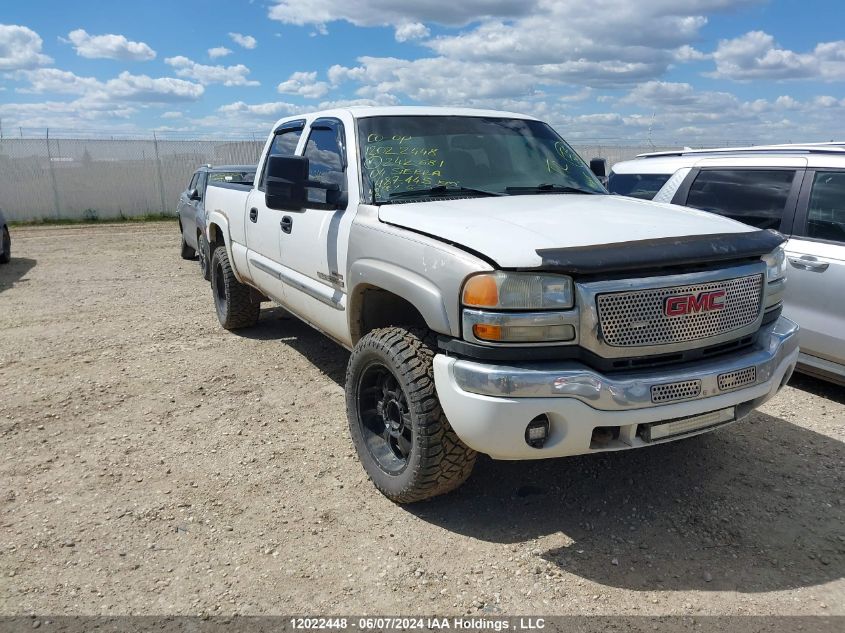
point(662, 430)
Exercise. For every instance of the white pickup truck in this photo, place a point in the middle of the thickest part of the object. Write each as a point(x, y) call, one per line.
point(494, 296)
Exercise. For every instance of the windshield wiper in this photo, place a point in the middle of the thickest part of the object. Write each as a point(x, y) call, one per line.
point(546, 187)
point(440, 190)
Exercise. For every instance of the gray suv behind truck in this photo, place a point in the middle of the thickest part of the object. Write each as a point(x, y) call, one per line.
point(191, 209)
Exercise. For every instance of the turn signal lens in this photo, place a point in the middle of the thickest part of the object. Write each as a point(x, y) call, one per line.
point(487, 332)
point(481, 291)
point(523, 333)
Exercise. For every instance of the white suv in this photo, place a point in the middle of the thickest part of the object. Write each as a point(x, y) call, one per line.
point(798, 190)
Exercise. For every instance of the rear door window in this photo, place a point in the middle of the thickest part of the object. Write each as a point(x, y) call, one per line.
point(754, 196)
point(644, 186)
point(826, 210)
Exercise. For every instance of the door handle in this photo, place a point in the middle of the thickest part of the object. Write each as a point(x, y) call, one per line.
point(808, 262)
point(286, 224)
point(253, 215)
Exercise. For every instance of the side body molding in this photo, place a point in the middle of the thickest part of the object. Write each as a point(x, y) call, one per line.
point(411, 286)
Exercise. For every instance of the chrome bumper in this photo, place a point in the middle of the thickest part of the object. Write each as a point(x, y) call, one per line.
point(629, 390)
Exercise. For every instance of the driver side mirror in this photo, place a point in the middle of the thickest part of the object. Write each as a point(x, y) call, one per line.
point(193, 194)
point(285, 182)
point(599, 167)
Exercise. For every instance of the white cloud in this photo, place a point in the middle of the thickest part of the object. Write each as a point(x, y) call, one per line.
point(678, 111)
point(549, 58)
point(582, 95)
point(226, 75)
point(20, 48)
point(152, 90)
point(616, 41)
point(273, 108)
point(665, 93)
point(78, 114)
point(687, 53)
point(53, 80)
point(510, 50)
point(435, 80)
point(124, 87)
point(787, 102)
point(397, 12)
point(382, 100)
point(411, 31)
point(245, 119)
point(109, 46)
point(826, 101)
point(756, 55)
point(304, 84)
point(245, 41)
point(218, 51)
point(681, 103)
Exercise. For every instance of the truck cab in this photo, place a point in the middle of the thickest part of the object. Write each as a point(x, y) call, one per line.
point(494, 296)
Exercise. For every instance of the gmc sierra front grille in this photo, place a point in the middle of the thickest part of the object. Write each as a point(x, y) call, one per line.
point(639, 317)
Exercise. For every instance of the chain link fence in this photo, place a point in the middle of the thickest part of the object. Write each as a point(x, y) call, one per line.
point(97, 179)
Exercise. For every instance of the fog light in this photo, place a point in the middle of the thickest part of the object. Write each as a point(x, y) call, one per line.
point(537, 431)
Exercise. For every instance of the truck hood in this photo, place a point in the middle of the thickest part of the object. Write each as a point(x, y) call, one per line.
point(511, 229)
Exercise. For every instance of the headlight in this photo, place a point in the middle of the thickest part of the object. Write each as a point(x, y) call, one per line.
point(518, 291)
point(775, 264)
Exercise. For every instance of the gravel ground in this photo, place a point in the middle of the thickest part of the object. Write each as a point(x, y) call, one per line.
point(152, 463)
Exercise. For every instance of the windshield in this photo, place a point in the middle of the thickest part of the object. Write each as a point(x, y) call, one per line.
point(417, 156)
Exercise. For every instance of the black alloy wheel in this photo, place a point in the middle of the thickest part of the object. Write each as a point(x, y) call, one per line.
point(385, 418)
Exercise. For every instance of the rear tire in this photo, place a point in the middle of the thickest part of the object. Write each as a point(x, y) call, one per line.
point(401, 434)
point(232, 299)
point(204, 257)
point(6, 256)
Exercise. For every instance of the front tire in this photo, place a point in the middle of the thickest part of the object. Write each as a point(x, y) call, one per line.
point(204, 257)
point(6, 256)
point(400, 433)
point(232, 299)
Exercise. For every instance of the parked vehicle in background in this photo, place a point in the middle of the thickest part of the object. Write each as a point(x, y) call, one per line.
point(5, 240)
point(798, 190)
point(191, 208)
point(494, 296)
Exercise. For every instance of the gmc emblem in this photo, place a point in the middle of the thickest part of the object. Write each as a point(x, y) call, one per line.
point(708, 301)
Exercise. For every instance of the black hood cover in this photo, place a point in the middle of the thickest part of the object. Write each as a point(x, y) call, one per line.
point(664, 252)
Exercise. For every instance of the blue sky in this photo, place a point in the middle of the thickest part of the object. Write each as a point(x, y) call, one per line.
point(692, 72)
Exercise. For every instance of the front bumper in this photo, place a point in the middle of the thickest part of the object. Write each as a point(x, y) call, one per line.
point(489, 406)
